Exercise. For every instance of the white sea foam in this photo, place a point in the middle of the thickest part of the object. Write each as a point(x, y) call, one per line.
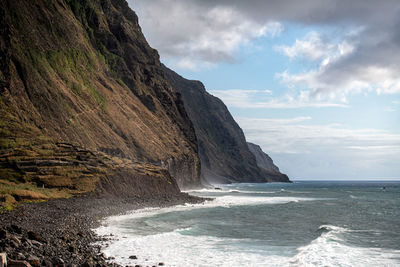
point(177, 249)
point(329, 250)
point(224, 191)
point(207, 190)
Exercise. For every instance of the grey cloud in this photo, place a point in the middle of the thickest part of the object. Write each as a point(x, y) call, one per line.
point(212, 31)
point(197, 30)
point(316, 11)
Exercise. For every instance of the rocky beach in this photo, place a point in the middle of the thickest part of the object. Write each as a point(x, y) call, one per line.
point(59, 232)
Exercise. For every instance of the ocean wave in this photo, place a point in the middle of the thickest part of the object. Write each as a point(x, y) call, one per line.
point(222, 201)
point(179, 250)
point(228, 201)
point(207, 190)
point(329, 250)
point(224, 191)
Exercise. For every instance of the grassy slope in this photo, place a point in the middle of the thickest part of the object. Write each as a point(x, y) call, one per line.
point(81, 72)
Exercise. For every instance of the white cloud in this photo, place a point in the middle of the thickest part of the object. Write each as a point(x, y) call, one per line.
point(322, 84)
point(190, 64)
point(194, 36)
point(383, 150)
point(273, 29)
point(311, 47)
point(337, 75)
point(390, 109)
point(252, 99)
point(305, 150)
point(288, 135)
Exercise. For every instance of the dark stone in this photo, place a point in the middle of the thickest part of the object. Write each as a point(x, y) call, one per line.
point(58, 262)
point(47, 263)
point(15, 263)
point(133, 257)
point(3, 234)
point(81, 234)
point(72, 249)
point(34, 236)
point(13, 244)
point(16, 229)
point(161, 264)
point(34, 261)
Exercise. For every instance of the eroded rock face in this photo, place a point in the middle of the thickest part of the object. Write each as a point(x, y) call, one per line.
point(82, 72)
point(224, 153)
point(263, 160)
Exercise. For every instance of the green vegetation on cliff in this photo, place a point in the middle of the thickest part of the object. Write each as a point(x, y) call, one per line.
point(81, 73)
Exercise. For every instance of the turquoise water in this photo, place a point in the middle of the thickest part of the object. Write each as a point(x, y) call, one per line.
point(299, 224)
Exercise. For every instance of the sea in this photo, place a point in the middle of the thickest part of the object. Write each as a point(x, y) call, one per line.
point(305, 223)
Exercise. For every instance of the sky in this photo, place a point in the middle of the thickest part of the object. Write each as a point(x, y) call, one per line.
point(315, 83)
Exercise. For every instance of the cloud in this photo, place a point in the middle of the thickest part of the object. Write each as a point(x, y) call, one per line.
point(390, 109)
point(290, 136)
point(342, 70)
point(195, 35)
point(252, 99)
point(332, 151)
point(287, 135)
point(311, 47)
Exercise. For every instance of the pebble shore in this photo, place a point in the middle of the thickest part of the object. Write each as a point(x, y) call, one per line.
point(59, 232)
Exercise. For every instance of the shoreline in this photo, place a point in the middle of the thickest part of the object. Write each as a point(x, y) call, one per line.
point(59, 232)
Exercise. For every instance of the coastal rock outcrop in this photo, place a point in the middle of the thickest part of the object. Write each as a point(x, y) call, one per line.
point(265, 162)
point(224, 154)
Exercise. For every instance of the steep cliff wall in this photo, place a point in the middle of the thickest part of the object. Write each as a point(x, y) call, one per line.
point(263, 160)
point(223, 151)
point(81, 72)
point(265, 163)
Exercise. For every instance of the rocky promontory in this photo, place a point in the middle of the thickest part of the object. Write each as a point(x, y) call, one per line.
point(224, 154)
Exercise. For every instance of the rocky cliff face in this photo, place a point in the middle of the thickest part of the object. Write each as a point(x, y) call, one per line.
point(82, 73)
point(265, 162)
point(224, 153)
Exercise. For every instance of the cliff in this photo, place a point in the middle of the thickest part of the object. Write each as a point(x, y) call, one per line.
point(263, 160)
point(224, 153)
point(265, 163)
point(84, 104)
